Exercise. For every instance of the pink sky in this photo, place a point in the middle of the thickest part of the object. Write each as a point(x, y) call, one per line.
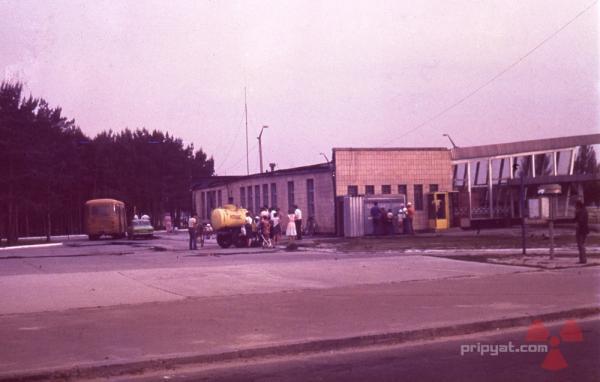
point(320, 74)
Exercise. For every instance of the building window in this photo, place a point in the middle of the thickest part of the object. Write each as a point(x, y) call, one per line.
point(586, 159)
point(386, 189)
point(402, 189)
point(202, 211)
point(433, 188)
point(256, 199)
point(250, 199)
point(242, 196)
point(522, 166)
point(479, 172)
point(544, 164)
point(290, 190)
point(310, 197)
point(352, 190)
point(274, 195)
point(220, 198)
point(419, 197)
point(563, 162)
point(460, 175)
point(266, 195)
point(500, 170)
point(369, 189)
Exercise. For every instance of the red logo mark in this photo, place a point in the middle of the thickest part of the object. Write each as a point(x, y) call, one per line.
point(554, 360)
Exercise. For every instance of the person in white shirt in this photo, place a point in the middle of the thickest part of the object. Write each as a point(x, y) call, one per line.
point(276, 232)
point(192, 227)
point(298, 222)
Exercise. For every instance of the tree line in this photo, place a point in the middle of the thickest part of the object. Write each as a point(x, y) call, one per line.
point(49, 168)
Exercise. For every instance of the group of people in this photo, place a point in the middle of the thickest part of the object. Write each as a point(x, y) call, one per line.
point(266, 228)
point(388, 222)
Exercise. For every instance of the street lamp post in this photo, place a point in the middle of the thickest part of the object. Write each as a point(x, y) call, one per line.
point(454, 146)
point(522, 198)
point(260, 147)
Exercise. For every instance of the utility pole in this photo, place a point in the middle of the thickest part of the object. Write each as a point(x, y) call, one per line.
point(260, 147)
point(246, 113)
point(522, 206)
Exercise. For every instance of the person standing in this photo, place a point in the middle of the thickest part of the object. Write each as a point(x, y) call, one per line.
point(581, 229)
point(298, 222)
point(276, 227)
point(192, 227)
point(402, 226)
point(376, 218)
point(290, 231)
point(389, 222)
point(410, 216)
point(248, 229)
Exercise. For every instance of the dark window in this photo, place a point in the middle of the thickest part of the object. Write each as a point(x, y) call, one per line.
point(544, 164)
point(433, 188)
point(102, 211)
point(310, 196)
point(266, 195)
point(274, 195)
point(386, 189)
point(352, 190)
point(521, 166)
point(369, 190)
point(402, 189)
point(586, 160)
point(290, 190)
point(250, 199)
point(500, 170)
point(419, 197)
point(256, 199)
point(243, 197)
point(203, 205)
point(220, 198)
point(479, 172)
point(460, 174)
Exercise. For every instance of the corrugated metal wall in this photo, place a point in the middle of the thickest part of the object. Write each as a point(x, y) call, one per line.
point(354, 216)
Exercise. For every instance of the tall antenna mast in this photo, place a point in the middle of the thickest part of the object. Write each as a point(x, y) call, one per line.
point(246, 112)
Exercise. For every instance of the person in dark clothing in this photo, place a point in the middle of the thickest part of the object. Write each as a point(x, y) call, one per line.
point(376, 217)
point(581, 229)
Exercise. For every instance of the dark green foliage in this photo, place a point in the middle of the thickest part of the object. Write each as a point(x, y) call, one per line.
point(49, 168)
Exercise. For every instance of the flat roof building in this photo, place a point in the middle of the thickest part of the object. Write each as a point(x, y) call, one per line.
point(481, 183)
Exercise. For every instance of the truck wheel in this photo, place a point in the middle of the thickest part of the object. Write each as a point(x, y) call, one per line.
point(224, 240)
point(241, 242)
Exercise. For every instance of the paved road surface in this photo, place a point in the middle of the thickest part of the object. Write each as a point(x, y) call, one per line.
point(433, 361)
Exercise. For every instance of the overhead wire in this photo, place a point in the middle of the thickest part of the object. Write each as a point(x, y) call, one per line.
point(232, 144)
point(497, 75)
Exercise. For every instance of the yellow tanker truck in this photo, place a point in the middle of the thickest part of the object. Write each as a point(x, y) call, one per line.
point(227, 222)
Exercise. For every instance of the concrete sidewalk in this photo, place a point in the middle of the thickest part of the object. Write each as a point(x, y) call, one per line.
point(103, 341)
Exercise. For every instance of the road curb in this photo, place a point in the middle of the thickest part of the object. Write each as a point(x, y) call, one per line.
point(103, 370)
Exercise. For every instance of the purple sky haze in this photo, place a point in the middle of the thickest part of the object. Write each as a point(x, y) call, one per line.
point(320, 74)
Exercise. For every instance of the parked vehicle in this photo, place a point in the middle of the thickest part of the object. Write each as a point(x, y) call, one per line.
point(104, 217)
point(227, 223)
point(140, 228)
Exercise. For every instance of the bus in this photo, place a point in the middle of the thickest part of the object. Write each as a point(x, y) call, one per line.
point(105, 217)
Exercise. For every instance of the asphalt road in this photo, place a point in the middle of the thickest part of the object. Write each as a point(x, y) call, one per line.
point(431, 361)
point(164, 251)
